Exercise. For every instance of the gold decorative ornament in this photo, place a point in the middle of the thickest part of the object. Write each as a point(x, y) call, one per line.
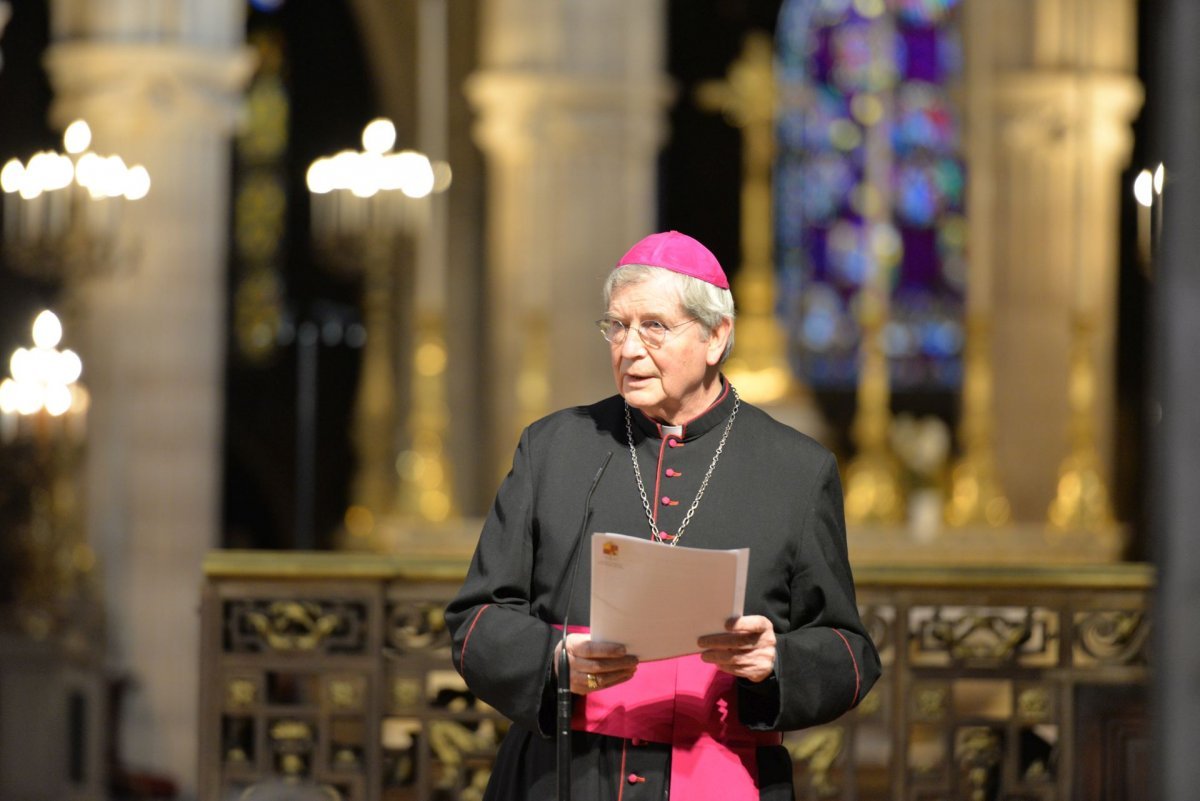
point(345, 693)
point(293, 625)
point(406, 693)
point(978, 752)
point(426, 490)
point(930, 703)
point(820, 749)
point(240, 693)
point(1034, 704)
point(1111, 636)
point(1081, 500)
point(291, 731)
point(976, 496)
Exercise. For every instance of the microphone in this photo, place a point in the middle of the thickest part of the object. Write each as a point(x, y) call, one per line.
point(563, 733)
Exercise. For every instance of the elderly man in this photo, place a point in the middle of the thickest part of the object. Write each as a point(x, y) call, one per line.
point(692, 465)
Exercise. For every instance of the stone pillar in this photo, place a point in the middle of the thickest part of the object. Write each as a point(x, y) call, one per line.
point(1175, 504)
point(571, 112)
point(1052, 93)
point(160, 85)
point(5, 14)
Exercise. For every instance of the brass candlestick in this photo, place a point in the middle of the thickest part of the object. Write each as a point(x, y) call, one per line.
point(976, 496)
point(1081, 500)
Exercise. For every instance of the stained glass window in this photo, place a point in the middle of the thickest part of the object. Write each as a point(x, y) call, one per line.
point(869, 175)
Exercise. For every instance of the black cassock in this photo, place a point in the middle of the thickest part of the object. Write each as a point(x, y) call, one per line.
point(773, 490)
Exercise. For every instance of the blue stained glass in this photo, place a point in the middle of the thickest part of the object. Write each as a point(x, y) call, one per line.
point(921, 62)
point(924, 12)
point(843, 104)
point(924, 120)
point(851, 57)
point(824, 182)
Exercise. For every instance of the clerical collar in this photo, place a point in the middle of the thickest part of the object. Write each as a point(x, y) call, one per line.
point(715, 415)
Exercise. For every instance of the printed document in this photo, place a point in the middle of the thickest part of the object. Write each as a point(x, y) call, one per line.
point(657, 600)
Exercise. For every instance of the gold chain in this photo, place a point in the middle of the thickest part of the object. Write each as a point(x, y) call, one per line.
point(637, 473)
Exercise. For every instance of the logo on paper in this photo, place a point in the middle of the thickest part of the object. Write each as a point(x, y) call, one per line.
point(611, 549)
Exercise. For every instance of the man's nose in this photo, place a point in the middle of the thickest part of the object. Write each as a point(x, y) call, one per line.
point(633, 345)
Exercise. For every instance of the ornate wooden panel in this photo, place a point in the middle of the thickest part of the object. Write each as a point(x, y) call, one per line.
point(331, 674)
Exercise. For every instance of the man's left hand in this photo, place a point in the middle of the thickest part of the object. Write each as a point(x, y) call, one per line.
point(746, 648)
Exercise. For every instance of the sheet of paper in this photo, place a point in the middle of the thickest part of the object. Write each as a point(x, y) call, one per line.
point(658, 600)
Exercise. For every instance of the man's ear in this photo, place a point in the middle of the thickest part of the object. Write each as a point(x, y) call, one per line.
point(717, 342)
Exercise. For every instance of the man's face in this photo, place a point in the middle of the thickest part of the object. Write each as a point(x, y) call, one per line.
point(673, 382)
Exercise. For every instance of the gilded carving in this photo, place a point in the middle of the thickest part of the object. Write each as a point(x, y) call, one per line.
point(978, 751)
point(291, 731)
point(820, 750)
point(417, 627)
point(295, 626)
point(871, 704)
point(984, 635)
point(1111, 637)
point(957, 666)
point(453, 741)
point(1034, 704)
point(291, 765)
point(240, 693)
point(345, 692)
point(930, 702)
point(345, 759)
point(878, 620)
point(406, 692)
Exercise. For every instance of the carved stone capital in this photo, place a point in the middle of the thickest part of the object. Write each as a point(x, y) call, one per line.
point(140, 88)
point(1051, 110)
point(523, 112)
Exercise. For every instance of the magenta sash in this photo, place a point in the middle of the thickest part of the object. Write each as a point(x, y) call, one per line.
point(691, 705)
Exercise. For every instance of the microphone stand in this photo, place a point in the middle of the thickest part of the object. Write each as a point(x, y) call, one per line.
point(563, 730)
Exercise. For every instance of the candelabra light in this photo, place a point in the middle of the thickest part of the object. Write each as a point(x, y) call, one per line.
point(368, 207)
point(1148, 192)
point(43, 386)
point(375, 194)
point(43, 409)
point(62, 211)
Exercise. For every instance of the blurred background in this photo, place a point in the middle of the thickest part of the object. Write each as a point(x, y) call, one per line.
point(285, 279)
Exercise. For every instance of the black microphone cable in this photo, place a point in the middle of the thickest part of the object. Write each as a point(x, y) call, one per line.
point(563, 732)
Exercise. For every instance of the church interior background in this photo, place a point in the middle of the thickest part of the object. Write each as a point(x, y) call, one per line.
point(291, 353)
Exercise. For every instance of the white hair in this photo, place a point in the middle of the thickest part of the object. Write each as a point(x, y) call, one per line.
point(706, 302)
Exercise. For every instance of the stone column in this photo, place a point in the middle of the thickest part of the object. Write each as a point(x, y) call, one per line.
point(1049, 142)
point(1175, 504)
point(5, 14)
point(160, 85)
point(571, 112)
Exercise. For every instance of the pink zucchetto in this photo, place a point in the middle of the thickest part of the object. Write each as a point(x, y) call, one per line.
point(679, 253)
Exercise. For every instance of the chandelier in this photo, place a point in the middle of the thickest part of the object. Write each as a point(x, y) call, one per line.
point(62, 211)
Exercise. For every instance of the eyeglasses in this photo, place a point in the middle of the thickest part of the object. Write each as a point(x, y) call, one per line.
point(652, 332)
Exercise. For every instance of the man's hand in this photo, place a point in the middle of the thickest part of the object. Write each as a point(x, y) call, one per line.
point(746, 649)
point(595, 665)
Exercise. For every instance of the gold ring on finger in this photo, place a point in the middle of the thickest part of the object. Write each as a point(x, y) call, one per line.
point(593, 681)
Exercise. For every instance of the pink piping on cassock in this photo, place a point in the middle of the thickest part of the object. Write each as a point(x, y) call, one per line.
point(692, 706)
point(853, 661)
point(462, 657)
